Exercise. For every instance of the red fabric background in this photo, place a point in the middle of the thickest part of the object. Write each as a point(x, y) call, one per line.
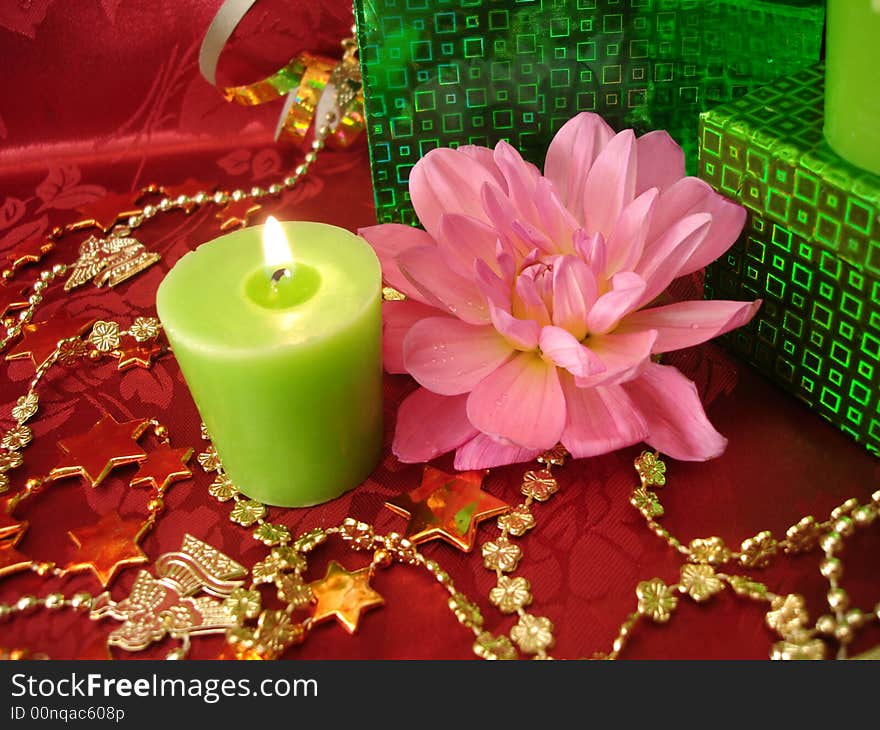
point(105, 95)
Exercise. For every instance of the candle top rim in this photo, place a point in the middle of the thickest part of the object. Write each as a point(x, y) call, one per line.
point(213, 313)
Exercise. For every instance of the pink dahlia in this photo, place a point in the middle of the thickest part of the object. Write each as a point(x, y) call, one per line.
point(530, 315)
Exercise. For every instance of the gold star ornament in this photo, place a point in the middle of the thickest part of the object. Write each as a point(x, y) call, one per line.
point(343, 595)
point(447, 506)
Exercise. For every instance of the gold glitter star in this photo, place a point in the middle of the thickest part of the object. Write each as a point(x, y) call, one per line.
point(447, 506)
point(343, 595)
point(106, 547)
point(101, 449)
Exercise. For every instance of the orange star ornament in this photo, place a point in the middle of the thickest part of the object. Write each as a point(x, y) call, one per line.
point(447, 506)
point(101, 449)
point(237, 214)
point(344, 595)
point(12, 298)
point(134, 354)
point(29, 252)
point(106, 547)
point(41, 338)
point(188, 188)
point(104, 212)
point(11, 532)
point(163, 466)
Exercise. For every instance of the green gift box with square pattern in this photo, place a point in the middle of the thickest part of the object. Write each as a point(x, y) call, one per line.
point(450, 72)
point(810, 249)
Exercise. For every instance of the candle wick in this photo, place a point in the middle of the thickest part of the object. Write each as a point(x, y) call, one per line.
point(278, 275)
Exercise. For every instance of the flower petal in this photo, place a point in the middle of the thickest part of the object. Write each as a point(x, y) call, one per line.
point(463, 240)
point(557, 222)
point(663, 264)
point(623, 356)
point(671, 407)
point(728, 220)
point(592, 249)
point(661, 161)
point(449, 356)
point(486, 157)
point(627, 290)
point(521, 178)
point(611, 183)
point(599, 420)
point(426, 268)
point(501, 213)
point(574, 294)
point(397, 319)
point(521, 401)
point(627, 240)
point(571, 155)
point(448, 181)
point(429, 425)
point(490, 284)
point(389, 240)
point(522, 334)
point(686, 197)
point(528, 304)
point(685, 324)
point(567, 352)
point(484, 452)
point(533, 237)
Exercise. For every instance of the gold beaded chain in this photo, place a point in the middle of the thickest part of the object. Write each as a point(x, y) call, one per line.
point(787, 615)
point(262, 633)
point(104, 339)
point(95, 252)
point(532, 634)
point(287, 561)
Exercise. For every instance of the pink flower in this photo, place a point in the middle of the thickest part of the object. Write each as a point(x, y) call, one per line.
point(529, 319)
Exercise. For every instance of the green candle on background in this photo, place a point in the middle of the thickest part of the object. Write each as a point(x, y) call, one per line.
point(852, 81)
point(281, 351)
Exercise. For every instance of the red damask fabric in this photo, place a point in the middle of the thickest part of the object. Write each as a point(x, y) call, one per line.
point(104, 96)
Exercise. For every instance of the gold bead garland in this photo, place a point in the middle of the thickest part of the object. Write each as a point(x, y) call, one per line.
point(286, 563)
point(531, 634)
point(786, 614)
point(126, 256)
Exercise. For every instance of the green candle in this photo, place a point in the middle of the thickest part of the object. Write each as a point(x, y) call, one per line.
point(281, 350)
point(852, 81)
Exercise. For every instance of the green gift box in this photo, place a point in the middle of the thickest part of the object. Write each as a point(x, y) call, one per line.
point(810, 249)
point(449, 72)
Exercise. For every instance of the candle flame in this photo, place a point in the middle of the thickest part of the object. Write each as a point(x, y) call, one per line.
point(276, 248)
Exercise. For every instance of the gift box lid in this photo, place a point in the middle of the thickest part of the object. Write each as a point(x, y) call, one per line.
point(767, 150)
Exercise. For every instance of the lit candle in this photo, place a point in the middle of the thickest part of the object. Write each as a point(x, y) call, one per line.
point(280, 346)
point(852, 81)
